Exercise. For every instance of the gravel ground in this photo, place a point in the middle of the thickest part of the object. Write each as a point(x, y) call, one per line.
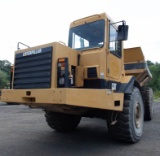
point(23, 132)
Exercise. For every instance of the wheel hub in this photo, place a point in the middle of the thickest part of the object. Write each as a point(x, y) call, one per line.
point(137, 115)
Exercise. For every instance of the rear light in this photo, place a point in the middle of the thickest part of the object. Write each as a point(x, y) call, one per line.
point(63, 73)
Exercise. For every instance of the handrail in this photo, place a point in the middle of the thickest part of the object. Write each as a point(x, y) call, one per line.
point(22, 44)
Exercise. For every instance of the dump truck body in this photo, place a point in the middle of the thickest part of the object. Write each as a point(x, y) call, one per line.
point(135, 64)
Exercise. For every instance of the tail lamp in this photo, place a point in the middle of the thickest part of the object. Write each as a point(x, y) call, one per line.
point(63, 73)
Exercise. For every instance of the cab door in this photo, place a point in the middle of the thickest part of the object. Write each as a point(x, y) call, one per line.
point(114, 66)
point(114, 54)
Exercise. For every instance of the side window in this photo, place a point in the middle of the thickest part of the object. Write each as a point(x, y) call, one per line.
point(114, 44)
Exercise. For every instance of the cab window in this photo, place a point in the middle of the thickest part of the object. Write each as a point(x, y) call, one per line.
point(114, 45)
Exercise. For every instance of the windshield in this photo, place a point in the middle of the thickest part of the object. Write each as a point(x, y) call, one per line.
point(88, 35)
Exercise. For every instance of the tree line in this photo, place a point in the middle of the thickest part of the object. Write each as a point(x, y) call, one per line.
point(154, 83)
point(5, 67)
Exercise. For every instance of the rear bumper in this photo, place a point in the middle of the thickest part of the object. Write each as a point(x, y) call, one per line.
point(91, 98)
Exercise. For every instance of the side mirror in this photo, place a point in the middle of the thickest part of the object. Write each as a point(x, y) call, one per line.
point(122, 32)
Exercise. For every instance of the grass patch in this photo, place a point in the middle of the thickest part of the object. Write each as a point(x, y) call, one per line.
point(156, 96)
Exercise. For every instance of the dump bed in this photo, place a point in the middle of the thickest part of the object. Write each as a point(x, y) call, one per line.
point(135, 64)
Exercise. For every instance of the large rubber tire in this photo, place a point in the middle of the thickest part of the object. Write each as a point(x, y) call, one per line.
point(127, 125)
point(148, 104)
point(62, 122)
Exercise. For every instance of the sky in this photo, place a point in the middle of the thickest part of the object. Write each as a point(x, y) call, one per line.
point(36, 22)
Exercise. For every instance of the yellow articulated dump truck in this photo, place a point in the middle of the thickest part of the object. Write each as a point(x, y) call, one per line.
point(94, 76)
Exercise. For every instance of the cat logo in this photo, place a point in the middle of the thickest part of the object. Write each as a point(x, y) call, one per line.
point(32, 52)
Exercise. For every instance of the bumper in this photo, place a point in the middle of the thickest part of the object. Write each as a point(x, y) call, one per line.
point(91, 98)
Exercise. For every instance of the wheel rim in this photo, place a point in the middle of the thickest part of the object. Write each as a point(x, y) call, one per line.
point(137, 115)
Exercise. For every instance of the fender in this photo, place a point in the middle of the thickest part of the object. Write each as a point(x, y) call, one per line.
point(127, 84)
point(124, 86)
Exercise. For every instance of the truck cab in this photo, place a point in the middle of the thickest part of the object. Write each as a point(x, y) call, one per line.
point(99, 44)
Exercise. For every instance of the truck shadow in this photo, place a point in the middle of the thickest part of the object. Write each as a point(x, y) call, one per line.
point(90, 138)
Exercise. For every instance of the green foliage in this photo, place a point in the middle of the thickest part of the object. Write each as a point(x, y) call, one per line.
point(154, 83)
point(5, 67)
point(157, 94)
point(149, 63)
point(3, 79)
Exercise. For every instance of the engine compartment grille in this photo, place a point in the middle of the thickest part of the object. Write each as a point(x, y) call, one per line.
point(92, 72)
point(33, 69)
